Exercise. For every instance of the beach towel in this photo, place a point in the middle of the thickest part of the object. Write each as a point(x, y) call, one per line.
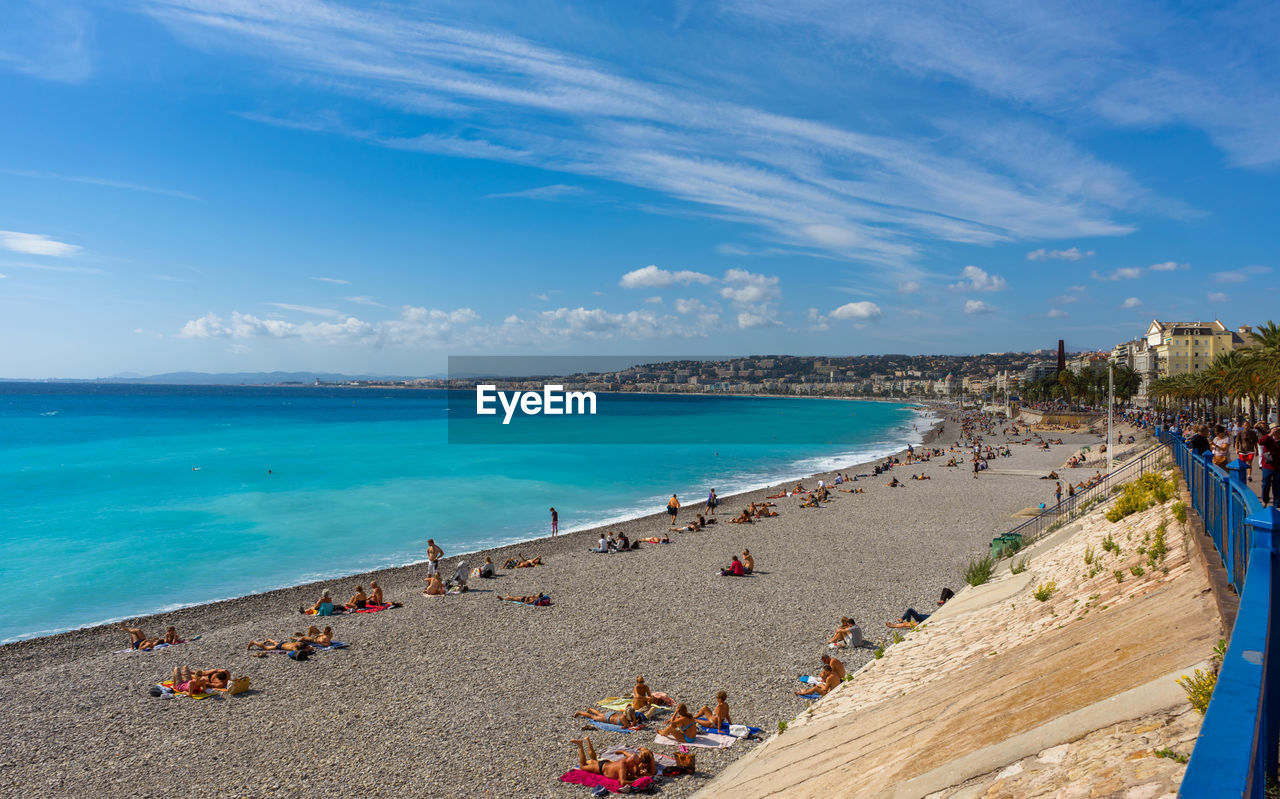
point(619, 751)
point(707, 740)
point(622, 703)
point(538, 604)
point(377, 608)
point(811, 680)
point(607, 727)
point(736, 730)
point(578, 776)
point(810, 696)
point(334, 645)
point(158, 646)
point(167, 685)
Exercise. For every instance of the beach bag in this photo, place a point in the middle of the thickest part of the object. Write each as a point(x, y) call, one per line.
point(238, 686)
point(686, 761)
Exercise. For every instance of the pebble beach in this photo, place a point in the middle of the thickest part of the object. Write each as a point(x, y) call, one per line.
point(464, 695)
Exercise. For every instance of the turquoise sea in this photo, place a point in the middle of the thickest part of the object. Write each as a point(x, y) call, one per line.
point(123, 500)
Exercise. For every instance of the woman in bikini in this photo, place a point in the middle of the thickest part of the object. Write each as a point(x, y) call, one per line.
point(720, 717)
point(435, 586)
point(682, 728)
point(358, 600)
point(619, 770)
point(622, 718)
point(641, 696)
point(270, 644)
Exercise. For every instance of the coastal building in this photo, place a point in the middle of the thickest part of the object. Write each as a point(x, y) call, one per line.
point(1181, 347)
point(1038, 371)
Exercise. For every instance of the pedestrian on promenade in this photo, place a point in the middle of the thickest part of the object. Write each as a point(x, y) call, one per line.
point(555, 522)
point(1270, 446)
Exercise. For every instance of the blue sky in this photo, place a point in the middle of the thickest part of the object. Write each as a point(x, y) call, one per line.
point(367, 188)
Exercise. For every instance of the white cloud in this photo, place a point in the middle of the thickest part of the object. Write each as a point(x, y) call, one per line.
point(749, 319)
point(334, 280)
point(1132, 302)
point(308, 309)
point(363, 300)
point(556, 191)
point(1064, 299)
point(1056, 313)
point(1124, 273)
point(651, 277)
point(562, 324)
point(909, 287)
point(748, 287)
point(1241, 275)
point(977, 307)
point(1168, 266)
point(1218, 296)
point(857, 310)
point(36, 244)
point(817, 322)
point(975, 279)
point(694, 306)
point(1072, 254)
point(653, 300)
point(415, 326)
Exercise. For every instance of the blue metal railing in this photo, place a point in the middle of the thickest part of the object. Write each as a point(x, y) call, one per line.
point(1236, 753)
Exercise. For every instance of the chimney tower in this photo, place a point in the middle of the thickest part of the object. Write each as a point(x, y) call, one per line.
point(1062, 356)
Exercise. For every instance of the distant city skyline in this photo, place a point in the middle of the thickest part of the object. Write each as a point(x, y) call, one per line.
point(191, 185)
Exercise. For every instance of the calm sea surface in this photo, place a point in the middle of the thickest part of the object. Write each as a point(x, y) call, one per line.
point(117, 501)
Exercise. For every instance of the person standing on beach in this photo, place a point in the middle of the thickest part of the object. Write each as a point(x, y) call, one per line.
point(1057, 494)
point(434, 554)
point(555, 522)
point(673, 507)
point(712, 502)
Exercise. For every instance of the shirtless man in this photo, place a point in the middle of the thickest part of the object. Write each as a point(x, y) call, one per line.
point(532, 599)
point(435, 586)
point(828, 684)
point(434, 554)
point(171, 636)
point(613, 769)
point(136, 636)
point(528, 564)
point(375, 593)
point(622, 718)
point(748, 562)
point(835, 665)
point(683, 728)
point(719, 718)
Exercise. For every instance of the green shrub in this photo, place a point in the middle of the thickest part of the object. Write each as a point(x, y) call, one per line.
point(879, 653)
point(1150, 489)
point(1045, 590)
point(897, 637)
point(1137, 571)
point(1119, 576)
point(1179, 511)
point(1088, 555)
point(1018, 567)
point(1172, 755)
point(979, 571)
point(1199, 687)
point(1157, 550)
point(782, 726)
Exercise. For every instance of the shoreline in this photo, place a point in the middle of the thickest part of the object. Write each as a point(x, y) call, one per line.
point(475, 557)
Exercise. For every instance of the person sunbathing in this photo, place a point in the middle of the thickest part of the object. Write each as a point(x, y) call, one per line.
point(748, 562)
point(315, 635)
point(646, 765)
point(375, 593)
point(683, 728)
point(532, 599)
point(613, 769)
point(780, 495)
point(272, 645)
point(893, 483)
point(735, 569)
point(741, 518)
point(718, 718)
point(763, 512)
point(827, 682)
point(835, 665)
point(666, 539)
point(187, 681)
point(484, 570)
point(171, 636)
point(136, 636)
point(358, 599)
point(322, 607)
point(641, 696)
point(435, 586)
point(622, 718)
point(529, 564)
point(213, 678)
point(850, 490)
point(811, 502)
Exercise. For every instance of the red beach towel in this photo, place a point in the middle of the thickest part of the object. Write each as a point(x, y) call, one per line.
point(577, 776)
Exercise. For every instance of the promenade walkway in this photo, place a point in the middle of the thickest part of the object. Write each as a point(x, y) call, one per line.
point(1000, 694)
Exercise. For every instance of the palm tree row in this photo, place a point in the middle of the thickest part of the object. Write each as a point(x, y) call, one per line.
point(1087, 386)
point(1244, 382)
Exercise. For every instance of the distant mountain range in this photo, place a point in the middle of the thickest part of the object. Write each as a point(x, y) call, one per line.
point(222, 378)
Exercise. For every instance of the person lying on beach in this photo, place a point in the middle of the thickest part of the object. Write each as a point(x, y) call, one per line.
point(533, 599)
point(435, 586)
point(715, 719)
point(762, 511)
point(171, 636)
point(358, 600)
point(619, 770)
point(748, 562)
point(666, 539)
point(692, 527)
point(271, 644)
point(188, 681)
point(780, 495)
point(850, 490)
point(894, 483)
point(375, 593)
point(683, 728)
point(623, 718)
point(742, 518)
point(136, 636)
point(1051, 476)
point(529, 564)
point(735, 569)
point(827, 683)
point(921, 476)
point(910, 618)
point(316, 636)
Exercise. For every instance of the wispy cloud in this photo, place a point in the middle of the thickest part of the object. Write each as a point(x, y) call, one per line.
point(334, 280)
point(977, 307)
point(1217, 296)
point(1056, 313)
point(105, 182)
point(47, 40)
point(1123, 273)
point(1241, 275)
point(36, 244)
point(652, 277)
point(1132, 302)
point(308, 309)
point(557, 191)
point(363, 300)
point(81, 270)
point(1072, 254)
point(806, 185)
